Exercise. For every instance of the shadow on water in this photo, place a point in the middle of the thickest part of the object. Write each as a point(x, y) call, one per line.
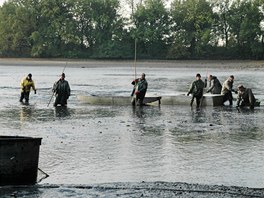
point(61, 112)
point(19, 115)
point(143, 115)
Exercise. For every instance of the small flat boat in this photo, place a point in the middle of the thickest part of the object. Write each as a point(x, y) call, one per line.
point(115, 100)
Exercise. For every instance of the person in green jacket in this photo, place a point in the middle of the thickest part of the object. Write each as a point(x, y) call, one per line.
point(245, 97)
point(196, 89)
point(62, 91)
point(140, 89)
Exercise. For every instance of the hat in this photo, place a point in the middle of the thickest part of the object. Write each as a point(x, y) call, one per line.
point(240, 86)
point(198, 75)
point(30, 75)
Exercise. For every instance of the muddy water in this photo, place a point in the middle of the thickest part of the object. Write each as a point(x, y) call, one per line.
point(85, 144)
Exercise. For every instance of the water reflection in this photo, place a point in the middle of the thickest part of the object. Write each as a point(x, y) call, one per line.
point(25, 113)
point(198, 115)
point(138, 111)
point(61, 112)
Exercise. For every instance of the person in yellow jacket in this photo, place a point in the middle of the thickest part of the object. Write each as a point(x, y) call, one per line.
point(26, 85)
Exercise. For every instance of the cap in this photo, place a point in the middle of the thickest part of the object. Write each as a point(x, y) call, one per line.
point(30, 75)
point(240, 86)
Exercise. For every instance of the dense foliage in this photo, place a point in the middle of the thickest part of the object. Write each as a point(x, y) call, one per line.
point(188, 29)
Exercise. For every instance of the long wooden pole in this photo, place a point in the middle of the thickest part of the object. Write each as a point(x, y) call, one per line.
point(135, 59)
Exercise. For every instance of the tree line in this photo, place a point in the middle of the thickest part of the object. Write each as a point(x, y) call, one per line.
point(188, 29)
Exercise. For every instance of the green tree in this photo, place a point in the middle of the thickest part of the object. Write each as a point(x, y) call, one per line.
point(17, 22)
point(55, 29)
point(151, 28)
point(245, 27)
point(107, 29)
point(193, 21)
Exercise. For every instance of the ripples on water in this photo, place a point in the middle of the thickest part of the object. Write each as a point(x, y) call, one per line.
point(85, 144)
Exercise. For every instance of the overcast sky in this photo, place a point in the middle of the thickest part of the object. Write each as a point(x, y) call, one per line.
point(2, 1)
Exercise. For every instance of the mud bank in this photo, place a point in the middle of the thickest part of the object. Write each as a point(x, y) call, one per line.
point(143, 189)
point(75, 63)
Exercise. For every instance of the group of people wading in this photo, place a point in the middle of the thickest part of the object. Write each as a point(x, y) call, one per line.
point(245, 97)
point(61, 89)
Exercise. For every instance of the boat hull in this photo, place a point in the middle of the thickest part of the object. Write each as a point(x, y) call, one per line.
point(115, 100)
point(18, 160)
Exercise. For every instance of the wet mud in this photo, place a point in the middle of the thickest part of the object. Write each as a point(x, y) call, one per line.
point(106, 151)
point(142, 189)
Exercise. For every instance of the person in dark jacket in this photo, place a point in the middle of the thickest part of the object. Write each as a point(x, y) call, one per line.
point(196, 89)
point(140, 89)
point(245, 97)
point(62, 91)
point(215, 86)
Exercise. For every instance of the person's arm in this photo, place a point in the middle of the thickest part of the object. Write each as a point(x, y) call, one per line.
point(239, 99)
point(191, 89)
point(68, 90)
point(212, 85)
point(134, 82)
point(33, 87)
point(55, 86)
point(22, 86)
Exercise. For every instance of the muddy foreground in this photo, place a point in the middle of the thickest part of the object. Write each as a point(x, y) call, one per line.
point(143, 189)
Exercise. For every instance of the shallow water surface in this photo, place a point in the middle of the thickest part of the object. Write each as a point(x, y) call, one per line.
point(85, 144)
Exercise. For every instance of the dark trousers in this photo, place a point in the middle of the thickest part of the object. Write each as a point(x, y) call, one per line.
point(24, 95)
point(198, 99)
point(61, 99)
point(139, 99)
point(228, 96)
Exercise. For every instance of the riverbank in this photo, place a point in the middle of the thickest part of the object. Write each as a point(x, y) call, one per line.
point(236, 64)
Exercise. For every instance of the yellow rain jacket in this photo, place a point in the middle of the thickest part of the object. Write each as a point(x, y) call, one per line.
point(26, 85)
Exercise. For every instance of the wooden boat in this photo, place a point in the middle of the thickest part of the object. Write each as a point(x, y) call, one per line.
point(178, 99)
point(183, 99)
point(115, 100)
point(19, 160)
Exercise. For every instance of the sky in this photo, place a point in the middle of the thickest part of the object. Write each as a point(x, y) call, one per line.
point(2, 1)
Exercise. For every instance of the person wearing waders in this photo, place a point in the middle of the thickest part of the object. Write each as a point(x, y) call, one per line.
point(140, 89)
point(215, 86)
point(245, 97)
point(62, 91)
point(26, 85)
point(196, 89)
point(227, 90)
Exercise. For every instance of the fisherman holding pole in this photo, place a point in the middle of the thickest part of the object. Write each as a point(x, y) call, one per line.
point(62, 91)
point(140, 89)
